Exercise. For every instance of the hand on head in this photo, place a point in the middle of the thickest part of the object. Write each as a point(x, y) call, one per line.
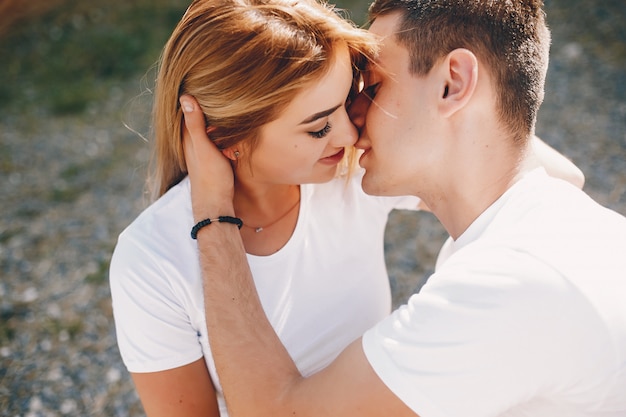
point(210, 172)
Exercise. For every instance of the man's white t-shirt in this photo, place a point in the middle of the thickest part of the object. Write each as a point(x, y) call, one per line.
point(321, 291)
point(524, 316)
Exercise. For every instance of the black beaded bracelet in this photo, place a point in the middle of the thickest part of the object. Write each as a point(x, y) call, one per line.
point(220, 219)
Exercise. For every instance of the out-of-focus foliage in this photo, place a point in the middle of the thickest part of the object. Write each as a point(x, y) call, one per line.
point(61, 55)
point(57, 56)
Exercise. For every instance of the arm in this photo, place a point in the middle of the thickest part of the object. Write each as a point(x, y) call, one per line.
point(186, 391)
point(257, 374)
point(156, 328)
point(554, 163)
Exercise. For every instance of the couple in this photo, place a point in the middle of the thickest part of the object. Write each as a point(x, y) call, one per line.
point(524, 314)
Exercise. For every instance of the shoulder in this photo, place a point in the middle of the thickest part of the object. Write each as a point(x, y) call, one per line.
point(491, 312)
point(553, 221)
point(540, 199)
point(164, 220)
point(158, 237)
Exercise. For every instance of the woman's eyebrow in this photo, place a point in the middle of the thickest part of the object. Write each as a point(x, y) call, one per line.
point(320, 115)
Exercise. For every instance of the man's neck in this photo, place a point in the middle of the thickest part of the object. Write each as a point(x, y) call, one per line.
point(480, 179)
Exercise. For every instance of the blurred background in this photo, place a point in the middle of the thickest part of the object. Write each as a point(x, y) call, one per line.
point(75, 82)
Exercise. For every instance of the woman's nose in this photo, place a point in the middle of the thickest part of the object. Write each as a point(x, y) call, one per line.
point(346, 134)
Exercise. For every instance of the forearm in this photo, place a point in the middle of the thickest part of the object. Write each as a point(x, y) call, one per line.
point(242, 340)
point(255, 370)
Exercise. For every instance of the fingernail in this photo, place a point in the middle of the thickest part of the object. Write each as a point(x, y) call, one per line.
point(186, 106)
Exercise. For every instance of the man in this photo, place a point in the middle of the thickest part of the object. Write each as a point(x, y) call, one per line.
point(525, 314)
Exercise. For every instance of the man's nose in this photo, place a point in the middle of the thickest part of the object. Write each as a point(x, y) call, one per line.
point(358, 109)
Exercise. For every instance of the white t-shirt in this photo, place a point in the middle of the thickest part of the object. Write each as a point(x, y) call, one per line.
point(321, 291)
point(526, 316)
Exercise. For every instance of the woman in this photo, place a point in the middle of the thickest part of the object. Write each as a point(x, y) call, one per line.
point(271, 78)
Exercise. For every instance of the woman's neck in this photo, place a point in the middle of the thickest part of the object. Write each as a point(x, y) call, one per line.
point(269, 213)
point(261, 203)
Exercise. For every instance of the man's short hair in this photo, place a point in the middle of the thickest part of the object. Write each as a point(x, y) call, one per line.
point(509, 36)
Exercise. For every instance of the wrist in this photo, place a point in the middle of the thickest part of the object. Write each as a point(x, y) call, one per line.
point(212, 209)
point(220, 219)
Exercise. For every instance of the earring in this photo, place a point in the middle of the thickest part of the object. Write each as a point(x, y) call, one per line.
point(236, 154)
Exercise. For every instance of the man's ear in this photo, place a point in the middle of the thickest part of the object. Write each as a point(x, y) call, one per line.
point(460, 77)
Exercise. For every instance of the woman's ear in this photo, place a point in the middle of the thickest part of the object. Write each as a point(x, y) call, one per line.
point(460, 78)
point(226, 152)
point(231, 153)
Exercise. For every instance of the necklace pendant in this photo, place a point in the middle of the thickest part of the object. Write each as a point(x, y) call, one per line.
point(258, 229)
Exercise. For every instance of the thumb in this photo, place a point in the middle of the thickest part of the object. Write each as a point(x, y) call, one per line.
point(193, 118)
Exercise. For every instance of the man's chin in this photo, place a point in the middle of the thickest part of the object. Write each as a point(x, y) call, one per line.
point(382, 189)
point(370, 186)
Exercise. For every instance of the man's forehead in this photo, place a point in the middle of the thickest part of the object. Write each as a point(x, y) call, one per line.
point(386, 25)
point(391, 51)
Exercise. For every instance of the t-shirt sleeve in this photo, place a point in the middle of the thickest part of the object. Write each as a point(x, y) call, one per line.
point(153, 328)
point(471, 342)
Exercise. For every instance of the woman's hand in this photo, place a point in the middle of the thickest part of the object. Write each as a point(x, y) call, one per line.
point(210, 172)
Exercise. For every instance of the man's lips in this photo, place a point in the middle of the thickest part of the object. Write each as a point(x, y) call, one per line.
point(333, 159)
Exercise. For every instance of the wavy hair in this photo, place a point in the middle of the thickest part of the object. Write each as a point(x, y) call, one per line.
point(243, 61)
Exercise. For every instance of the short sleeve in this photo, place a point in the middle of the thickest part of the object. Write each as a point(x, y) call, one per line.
point(153, 326)
point(467, 343)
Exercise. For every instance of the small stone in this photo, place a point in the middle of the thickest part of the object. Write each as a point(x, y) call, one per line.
point(68, 406)
point(31, 294)
point(113, 375)
point(35, 404)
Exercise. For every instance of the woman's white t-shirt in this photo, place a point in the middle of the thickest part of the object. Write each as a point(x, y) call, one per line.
point(321, 291)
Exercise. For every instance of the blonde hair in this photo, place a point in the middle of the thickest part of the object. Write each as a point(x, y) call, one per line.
point(243, 61)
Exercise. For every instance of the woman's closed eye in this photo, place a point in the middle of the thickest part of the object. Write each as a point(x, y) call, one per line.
point(319, 134)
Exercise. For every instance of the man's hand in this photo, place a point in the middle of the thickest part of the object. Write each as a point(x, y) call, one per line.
point(210, 172)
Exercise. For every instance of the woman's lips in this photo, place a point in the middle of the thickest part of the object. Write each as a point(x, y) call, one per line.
point(333, 159)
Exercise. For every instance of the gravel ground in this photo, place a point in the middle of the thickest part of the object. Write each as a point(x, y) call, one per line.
point(71, 184)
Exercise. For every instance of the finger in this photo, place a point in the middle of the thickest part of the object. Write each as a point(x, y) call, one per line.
point(188, 105)
point(196, 129)
point(196, 143)
point(193, 117)
point(200, 151)
point(208, 169)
